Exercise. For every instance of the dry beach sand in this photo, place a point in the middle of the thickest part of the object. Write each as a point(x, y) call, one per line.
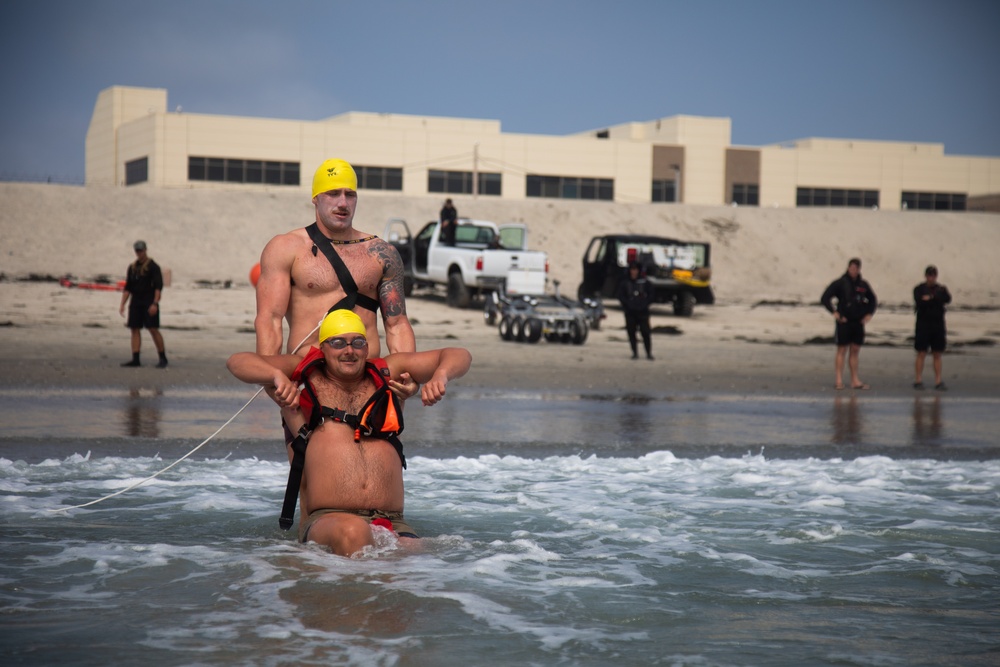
point(769, 268)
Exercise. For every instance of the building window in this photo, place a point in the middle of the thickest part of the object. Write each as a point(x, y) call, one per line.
point(570, 187)
point(379, 178)
point(664, 191)
point(745, 194)
point(934, 201)
point(460, 182)
point(836, 197)
point(235, 170)
point(137, 171)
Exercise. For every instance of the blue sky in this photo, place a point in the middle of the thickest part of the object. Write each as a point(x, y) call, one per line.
point(903, 70)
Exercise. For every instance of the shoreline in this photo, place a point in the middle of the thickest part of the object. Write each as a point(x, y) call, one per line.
point(55, 337)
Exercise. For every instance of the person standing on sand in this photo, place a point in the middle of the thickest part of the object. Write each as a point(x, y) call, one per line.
point(143, 287)
point(347, 462)
point(449, 222)
point(930, 299)
point(636, 295)
point(856, 303)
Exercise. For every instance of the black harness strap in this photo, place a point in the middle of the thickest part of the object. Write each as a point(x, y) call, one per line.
point(353, 297)
point(287, 517)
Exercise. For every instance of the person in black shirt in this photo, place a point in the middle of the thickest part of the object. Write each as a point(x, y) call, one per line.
point(143, 286)
point(856, 303)
point(636, 294)
point(449, 222)
point(930, 299)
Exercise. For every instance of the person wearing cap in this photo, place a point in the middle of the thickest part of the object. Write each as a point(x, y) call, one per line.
point(349, 481)
point(856, 304)
point(143, 287)
point(299, 283)
point(930, 299)
point(635, 294)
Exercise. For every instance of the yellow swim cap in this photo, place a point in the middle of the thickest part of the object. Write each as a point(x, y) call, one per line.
point(334, 174)
point(340, 322)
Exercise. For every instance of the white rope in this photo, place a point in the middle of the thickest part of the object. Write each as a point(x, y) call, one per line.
point(159, 472)
point(202, 444)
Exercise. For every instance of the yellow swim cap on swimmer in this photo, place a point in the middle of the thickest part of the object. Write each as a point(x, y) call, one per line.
point(334, 174)
point(340, 322)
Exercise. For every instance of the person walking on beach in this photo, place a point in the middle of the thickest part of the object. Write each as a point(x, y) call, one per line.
point(856, 303)
point(930, 299)
point(636, 295)
point(143, 287)
point(449, 222)
point(347, 463)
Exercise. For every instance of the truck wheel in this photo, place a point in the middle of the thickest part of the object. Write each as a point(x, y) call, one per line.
point(517, 329)
point(578, 331)
point(505, 328)
point(684, 304)
point(533, 330)
point(458, 293)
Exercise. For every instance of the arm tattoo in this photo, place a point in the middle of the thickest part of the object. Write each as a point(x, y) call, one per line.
point(390, 288)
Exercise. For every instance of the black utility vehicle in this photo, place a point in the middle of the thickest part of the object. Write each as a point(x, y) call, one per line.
point(680, 271)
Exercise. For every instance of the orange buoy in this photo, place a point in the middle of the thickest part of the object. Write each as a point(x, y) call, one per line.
point(255, 274)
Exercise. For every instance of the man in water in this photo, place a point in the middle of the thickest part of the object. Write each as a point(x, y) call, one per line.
point(300, 280)
point(352, 469)
point(856, 303)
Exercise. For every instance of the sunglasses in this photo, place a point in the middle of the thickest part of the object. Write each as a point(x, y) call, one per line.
point(338, 343)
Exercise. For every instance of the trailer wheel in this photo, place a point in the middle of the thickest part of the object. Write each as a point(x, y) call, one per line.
point(684, 304)
point(578, 331)
point(458, 292)
point(517, 329)
point(552, 337)
point(533, 330)
point(504, 328)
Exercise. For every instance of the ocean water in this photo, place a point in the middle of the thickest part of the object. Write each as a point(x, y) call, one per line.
point(558, 530)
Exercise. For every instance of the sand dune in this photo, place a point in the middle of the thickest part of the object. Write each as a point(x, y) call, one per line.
point(757, 253)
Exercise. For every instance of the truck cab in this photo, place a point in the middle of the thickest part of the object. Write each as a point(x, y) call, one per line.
point(480, 261)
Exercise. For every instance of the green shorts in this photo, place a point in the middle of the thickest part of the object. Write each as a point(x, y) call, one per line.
point(399, 524)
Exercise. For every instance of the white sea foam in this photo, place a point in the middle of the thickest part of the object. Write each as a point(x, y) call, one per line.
point(563, 559)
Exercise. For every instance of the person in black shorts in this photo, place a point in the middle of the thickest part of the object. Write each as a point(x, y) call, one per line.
point(856, 303)
point(930, 300)
point(143, 286)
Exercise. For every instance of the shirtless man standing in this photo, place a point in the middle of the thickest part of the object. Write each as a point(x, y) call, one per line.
point(298, 281)
point(350, 480)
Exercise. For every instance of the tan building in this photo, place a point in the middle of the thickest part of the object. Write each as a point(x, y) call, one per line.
point(133, 139)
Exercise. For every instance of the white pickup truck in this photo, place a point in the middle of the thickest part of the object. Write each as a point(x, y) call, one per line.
point(480, 261)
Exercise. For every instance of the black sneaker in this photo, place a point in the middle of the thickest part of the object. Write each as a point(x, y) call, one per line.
point(131, 364)
point(940, 386)
point(162, 364)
